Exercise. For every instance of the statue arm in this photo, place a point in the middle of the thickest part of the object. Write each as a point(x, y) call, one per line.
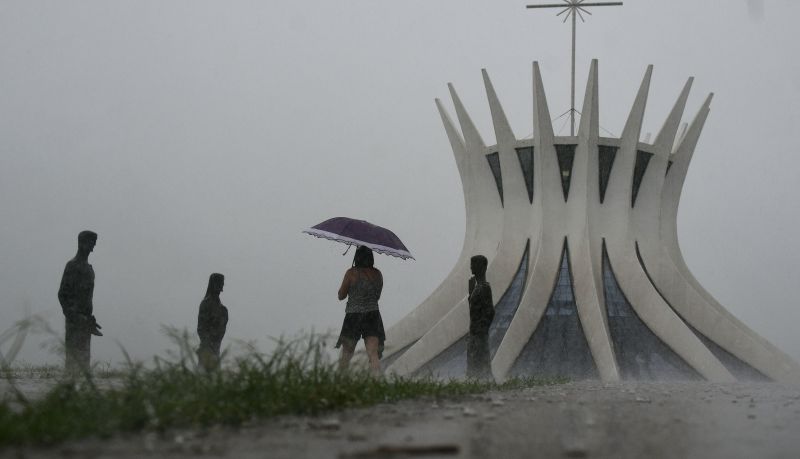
point(222, 323)
point(66, 290)
point(91, 299)
point(203, 322)
point(489, 304)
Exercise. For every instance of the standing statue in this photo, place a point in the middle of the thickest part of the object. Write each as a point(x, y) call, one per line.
point(75, 296)
point(481, 314)
point(212, 321)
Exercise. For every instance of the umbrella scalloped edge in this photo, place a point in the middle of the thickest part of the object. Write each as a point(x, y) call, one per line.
point(404, 254)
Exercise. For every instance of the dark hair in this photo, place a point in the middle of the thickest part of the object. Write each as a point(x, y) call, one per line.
point(481, 263)
point(214, 281)
point(363, 257)
point(87, 236)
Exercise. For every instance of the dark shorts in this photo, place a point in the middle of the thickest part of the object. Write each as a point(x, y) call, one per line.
point(359, 325)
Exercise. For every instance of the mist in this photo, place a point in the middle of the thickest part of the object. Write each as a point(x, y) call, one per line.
point(198, 137)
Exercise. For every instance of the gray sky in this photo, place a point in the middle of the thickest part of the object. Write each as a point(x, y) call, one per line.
point(199, 136)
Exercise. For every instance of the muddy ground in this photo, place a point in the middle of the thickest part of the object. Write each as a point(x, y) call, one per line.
point(586, 419)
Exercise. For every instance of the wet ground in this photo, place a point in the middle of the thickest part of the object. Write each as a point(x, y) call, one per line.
point(587, 419)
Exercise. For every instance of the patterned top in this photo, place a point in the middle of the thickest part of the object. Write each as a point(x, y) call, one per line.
point(363, 294)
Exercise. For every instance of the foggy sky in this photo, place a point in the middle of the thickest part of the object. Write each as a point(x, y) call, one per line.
point(199, 136)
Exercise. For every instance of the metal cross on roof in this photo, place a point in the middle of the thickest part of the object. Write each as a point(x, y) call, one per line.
point(574, 9)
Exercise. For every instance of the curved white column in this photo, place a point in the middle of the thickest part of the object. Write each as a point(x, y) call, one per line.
point(582, 210)
point(547, 232)
point(443, 334)
point(617, 205)
point(482, 234)
point(646, 213)
point(657, 314)
point(516, 206)
point(515, 224)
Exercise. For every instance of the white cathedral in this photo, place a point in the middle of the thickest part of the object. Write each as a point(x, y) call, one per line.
point(584, 262)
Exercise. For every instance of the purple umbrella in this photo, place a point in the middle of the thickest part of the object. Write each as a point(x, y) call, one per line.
point(359, 232)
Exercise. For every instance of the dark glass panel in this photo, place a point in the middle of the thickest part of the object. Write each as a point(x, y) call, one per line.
point(494, 165)
point(640, 353)
point(738, 368)
point(451, 363)
point(642, 160)
point(606, 157)
point(558, 346)
point(566, 156)
point(525, 156)
point(669, 165)
point(506, 308)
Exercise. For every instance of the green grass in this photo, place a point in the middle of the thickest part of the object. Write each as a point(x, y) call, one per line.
point(297, 378)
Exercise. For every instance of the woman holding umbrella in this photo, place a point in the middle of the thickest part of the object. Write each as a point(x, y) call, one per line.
point(362, 285)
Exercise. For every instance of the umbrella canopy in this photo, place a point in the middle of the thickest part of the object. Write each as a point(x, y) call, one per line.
point(359, 232)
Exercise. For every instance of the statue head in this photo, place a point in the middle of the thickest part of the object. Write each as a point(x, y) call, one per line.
point(478, 265)
point(363, 257)
point(216, 282)
point(86, 241)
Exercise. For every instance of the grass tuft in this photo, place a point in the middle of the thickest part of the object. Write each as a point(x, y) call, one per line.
point(297, 378)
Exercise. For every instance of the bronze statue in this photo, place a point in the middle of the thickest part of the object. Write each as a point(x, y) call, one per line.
point(481, 314)
point(75, 296)
point(212, 321)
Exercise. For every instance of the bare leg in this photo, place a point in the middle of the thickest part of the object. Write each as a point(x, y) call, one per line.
point(372, 343)
point(348, 348)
